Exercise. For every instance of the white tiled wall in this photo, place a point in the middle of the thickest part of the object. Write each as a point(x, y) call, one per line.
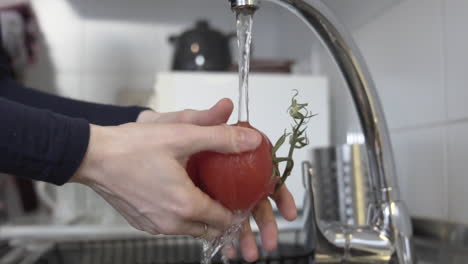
point(99, 50)
point(420, 155)
point(404, 50)
point(457, 171)
point(417, 53)
point(455, 15)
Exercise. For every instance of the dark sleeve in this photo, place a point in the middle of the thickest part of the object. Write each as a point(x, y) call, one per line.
point(39, 144)
point(99, 114)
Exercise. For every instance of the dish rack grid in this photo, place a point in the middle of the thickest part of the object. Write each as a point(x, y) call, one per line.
point(169, 250)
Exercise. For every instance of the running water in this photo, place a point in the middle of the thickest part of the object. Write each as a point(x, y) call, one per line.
point(211, 248)
point(244, 40)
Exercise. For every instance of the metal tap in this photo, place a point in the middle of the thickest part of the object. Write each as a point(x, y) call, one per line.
point(387, 236)
point(236, 4)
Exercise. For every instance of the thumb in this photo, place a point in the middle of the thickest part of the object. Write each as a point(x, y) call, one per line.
point(224, 139)
point(216, 115)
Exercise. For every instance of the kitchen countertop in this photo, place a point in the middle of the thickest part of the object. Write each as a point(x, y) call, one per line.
point(440, 242)
point(437, 252)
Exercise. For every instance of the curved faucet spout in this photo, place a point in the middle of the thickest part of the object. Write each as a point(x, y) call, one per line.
point(348, 58)
point(387, 238)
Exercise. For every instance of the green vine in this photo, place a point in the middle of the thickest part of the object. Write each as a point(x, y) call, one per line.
point(297, 139)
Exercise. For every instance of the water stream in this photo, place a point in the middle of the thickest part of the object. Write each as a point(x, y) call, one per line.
point(244, 41)
point(244, 19)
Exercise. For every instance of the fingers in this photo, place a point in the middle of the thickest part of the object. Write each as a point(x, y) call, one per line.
point(208, 211)
point(224, 139)
point(266, 221)
point(230, 251)
point(285, 203)
point(247, 243)
point(199, 230)
point(216, 115)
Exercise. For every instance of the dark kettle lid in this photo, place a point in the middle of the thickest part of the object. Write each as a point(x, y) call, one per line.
point(201, 48)
point(202, 25)
point(202, 28)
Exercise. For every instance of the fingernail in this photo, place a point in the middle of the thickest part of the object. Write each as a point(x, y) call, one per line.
point(249, 139)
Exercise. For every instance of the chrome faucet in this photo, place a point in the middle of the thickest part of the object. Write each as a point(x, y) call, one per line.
point(387, 236)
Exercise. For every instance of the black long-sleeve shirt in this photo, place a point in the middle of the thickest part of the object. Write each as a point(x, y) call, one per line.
point(45, 137)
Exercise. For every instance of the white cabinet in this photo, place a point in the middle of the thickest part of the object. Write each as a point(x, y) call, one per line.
point(270, 96)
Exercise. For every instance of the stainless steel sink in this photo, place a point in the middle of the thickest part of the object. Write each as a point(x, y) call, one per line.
point(435, 243)
point(168, 250)
point(433, 251)
point(440, 242)
point(185, 250)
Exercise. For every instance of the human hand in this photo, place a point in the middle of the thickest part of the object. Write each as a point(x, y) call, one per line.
point(140, 170)
point(262, 213)
point(266, 222)
point(216, 115)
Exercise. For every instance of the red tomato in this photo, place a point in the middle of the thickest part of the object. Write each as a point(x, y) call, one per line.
point(237, 181)
point(192, 168)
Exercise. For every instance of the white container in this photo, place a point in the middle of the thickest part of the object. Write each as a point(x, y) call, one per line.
point(269, 97)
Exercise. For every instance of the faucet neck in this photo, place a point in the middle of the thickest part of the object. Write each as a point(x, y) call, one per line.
point(388, 233)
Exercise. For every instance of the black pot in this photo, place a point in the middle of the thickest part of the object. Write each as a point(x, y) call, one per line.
point(201, 49)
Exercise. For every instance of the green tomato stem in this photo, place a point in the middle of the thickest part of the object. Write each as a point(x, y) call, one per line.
point(297, 139)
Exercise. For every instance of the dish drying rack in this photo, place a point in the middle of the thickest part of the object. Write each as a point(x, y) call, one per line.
point(168, 250)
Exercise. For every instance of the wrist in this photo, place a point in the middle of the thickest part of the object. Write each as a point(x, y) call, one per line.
point(91, 165)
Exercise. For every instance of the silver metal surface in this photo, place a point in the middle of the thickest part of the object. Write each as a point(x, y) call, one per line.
point(387, 238)
point(235, 4)
point(154, 250)
point(342, 173)
point(446, 232)
point(435, 243)
point(14, 256)
point(69, 233)
point(440, 242)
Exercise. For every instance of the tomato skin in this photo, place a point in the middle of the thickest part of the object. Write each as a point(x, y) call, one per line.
point(237, 181)
point(192, 168)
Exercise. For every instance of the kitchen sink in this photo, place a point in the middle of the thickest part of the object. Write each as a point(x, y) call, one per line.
point(434, 243)
point(171, 250)
point(168, 250)
point(145, 252)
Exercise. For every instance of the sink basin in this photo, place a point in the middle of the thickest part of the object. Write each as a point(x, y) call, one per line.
point(166, 250)
point(144, 252)
point(434, 242)
point(186, 250)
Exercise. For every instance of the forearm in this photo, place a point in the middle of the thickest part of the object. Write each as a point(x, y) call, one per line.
point(40, 144)
point(99, 114)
